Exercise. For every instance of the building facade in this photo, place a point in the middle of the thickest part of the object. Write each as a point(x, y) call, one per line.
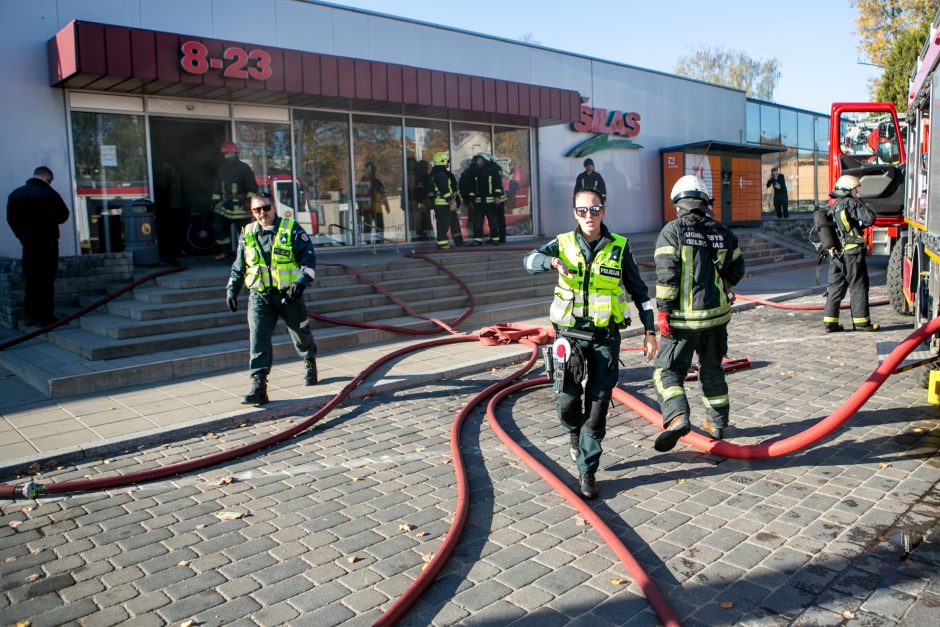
point(338, 112)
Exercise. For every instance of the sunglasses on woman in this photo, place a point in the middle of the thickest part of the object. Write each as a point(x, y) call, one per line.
point(583, 211)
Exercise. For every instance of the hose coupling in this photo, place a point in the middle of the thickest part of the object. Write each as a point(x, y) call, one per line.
point(30, 489)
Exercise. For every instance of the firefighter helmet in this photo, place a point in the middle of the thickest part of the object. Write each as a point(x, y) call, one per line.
point(689, 186)
point(442, 158)
point(847, 182)
point(228, 147)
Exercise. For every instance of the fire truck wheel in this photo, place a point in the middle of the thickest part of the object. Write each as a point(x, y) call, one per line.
point(895, 279)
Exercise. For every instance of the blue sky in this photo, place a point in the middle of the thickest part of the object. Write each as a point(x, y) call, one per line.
point(815, 41)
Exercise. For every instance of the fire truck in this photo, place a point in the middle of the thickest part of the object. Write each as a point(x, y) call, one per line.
point(915, 286)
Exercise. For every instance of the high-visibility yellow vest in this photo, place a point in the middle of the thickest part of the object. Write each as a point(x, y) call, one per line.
point(590, 292)
point(283, 269)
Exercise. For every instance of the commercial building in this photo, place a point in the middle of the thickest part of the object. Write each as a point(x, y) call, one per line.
point(338, 111)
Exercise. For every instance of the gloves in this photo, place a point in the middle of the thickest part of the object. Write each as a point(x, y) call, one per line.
point(662, 323)
point(232, 301)
point(296, 290)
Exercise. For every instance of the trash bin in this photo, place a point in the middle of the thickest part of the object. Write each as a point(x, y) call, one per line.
point(140, 235)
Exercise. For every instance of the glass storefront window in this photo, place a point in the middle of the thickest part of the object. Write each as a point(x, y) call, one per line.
point(265, 146)
point(321, 142)
point(423, 139)
point(379, 176)
point(822, 134)
point(788, 128)
point(752, 118)
point(806, 131)
point(806, 193)
point(110, 168)
point(512, 154)
point(769, 125)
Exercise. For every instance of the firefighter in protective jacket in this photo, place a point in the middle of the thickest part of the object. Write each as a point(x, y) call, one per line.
point(589, 309)
point(445, 199)
point(697, 263)
point(234, 185)
point(848, 270)
point(276, 262)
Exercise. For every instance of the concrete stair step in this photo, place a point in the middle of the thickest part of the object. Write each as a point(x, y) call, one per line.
point(55, 372)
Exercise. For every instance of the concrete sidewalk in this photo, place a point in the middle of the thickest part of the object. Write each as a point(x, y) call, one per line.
point(66, 430)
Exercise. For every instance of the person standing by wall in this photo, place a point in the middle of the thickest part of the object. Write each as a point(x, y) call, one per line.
point(848, 269)
point(34, 213)
point(698, 262)
point(779, 184)
point(276, 262)
point(594, 268)
point(235, 184)
point(592, 180)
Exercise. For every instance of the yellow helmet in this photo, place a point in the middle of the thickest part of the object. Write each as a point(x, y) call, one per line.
point(442, 158)
point(847, 182)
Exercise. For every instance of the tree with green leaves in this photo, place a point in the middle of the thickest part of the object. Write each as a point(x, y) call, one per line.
point(732, 68)
point(892, 33)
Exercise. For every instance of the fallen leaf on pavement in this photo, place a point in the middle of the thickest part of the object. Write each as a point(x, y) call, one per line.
point(726, 605)
point(419, 449)
point(107, 461)
point(618, 582)
point(183, 563)
point(681, 480)
point(427, 557)
point(405, 527)
point(884, 465)
point(918, 430)
point(26, 510)
point(421, 534)
point(15, 523)
point(229, 515)
point(355, 479)
point(200, 526)
point(580, 522)
point(352, 559)
point(222, 481)
point(446, 460)
point(32, 578)
point(23, 623)
point(12, 558)
point(35, 551)
point(188, 623)
point(848, 614)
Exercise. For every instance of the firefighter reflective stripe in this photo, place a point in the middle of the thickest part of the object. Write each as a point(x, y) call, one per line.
point(737, 253)
point(666, 292)
point(283, 269)
point(594, 292)
point(686, 279)
point(666, 393)
point(695, 325)
point(666, 251)
point(861, 321)
point(830, 319)
point(441, 198)
point(716, 401)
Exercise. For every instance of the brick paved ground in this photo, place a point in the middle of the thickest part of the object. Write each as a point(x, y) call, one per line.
point(842, 533)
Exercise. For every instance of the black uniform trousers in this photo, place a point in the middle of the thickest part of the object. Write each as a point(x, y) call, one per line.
point(496, 218)
point(587, 416)
point(478, 211)
point(780, 206)
point(40, 267)
point(264, 308)
point(672, 364)
point(447, 220)
point(848, 273)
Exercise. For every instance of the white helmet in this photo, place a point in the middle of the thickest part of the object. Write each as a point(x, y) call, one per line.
point(847, 182)
point(689, 186)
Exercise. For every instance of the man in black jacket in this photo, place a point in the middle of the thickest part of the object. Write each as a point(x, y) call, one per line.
point(779, 184)
point(34, 212)
point(591, 180)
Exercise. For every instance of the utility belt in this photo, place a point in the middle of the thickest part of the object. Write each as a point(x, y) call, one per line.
point(588, 336)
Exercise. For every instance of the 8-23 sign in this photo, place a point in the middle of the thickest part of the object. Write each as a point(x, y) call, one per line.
point(235, 62)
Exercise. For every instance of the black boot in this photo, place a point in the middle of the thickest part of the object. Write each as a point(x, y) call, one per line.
point(833, 327)
point(310, 376)
point(867, 327)
point(588, 486)
point(259, 391)
point(677, 427)
point(717, 433)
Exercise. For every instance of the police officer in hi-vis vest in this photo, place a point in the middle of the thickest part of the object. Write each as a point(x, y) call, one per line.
point(595, 268)
point(275, 261)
